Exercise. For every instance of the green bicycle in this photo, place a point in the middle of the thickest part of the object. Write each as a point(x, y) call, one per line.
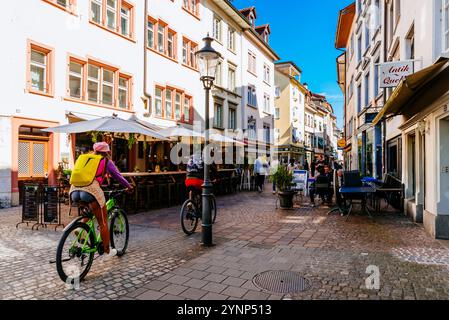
point(80, 241)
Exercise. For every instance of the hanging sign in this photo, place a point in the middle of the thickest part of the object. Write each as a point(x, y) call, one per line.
point(392, 73)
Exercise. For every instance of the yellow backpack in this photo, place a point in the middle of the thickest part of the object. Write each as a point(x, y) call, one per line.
point(85, 170)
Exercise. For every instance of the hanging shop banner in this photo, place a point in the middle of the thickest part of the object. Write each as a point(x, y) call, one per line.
point(392, 73)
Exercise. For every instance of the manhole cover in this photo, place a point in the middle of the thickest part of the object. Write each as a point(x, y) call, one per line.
point(282, 282)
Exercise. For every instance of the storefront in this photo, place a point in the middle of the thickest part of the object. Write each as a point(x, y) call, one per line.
point(422, 149)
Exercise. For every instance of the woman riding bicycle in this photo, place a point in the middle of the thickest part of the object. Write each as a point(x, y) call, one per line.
point(93, 194)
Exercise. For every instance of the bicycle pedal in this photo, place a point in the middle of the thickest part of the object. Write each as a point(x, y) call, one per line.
point(100, 249)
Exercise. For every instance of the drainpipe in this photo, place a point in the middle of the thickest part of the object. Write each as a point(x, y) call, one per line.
point(384, 122)
point(145, 59)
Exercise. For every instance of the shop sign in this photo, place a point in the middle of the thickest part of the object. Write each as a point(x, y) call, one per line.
point(392, 73)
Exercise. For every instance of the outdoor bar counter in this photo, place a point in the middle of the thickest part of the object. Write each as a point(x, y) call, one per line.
point(165, 189)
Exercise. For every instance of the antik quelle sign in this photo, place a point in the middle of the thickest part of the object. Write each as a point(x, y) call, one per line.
point(392, 73)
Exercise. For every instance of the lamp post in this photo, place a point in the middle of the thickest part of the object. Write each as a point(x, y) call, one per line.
point(207, 59)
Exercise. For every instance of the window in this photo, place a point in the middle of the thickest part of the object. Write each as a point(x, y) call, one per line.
point(218, 115)
point(178, 102)
point(266, 73)
point(232, 117)
point(251, 62)
point(93, 83)
point(40, 69)
point(158, 102)
point(376, 78)
point(161, 39)
point(116, 16)
point(359, 98)
point(96, 10)
point(252, 133)
point(191, 6)
point(446, 25)
point(252, 96)
point(108, 87)
point(172, 104)
point(231, 79)
point(66, 5)
point(125, 14)
point(266, 103)
point(123, 92)
point(277, 113)
point(231, 39)
point(76, 75)
point(367, 33)
point(359, 48)
point(266, 133)
point(367, 91)
point(104, 85)
point(171, 44)
point(188, 53)
point(216, 29)
point(187, 109)
point(410, 44)
point(277, 134)
point(351, 88)
point(168, 104)
point(352, 45)
point(111, 19)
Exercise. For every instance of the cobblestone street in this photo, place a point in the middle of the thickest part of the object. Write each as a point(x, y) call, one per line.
point(251, 237)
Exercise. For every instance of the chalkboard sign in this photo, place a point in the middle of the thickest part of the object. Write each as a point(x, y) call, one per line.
point(31, 202)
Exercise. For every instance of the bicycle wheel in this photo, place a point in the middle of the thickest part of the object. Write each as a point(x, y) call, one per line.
point(119, 231)
point(213, 208)
point(189, 218)
point(75, 254)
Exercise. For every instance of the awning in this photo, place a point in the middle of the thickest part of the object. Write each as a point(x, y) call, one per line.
point(408, 88)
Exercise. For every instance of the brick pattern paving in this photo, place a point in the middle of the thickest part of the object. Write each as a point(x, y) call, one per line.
point(250, 237)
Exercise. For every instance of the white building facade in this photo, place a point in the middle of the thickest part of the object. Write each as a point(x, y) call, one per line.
point(76, 60)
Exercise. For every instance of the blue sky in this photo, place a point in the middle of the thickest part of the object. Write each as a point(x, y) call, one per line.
point(304, 31)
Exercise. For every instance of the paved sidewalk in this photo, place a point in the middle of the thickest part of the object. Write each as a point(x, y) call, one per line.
point(250, 237)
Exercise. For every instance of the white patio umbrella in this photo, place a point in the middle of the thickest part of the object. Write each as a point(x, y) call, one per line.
point(180, 132)
point(184, 132)
point(107, 124)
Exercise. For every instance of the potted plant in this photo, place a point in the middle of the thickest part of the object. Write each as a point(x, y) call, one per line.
point(283, 179)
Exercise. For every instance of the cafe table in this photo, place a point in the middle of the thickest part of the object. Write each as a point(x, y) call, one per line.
point(362, 193)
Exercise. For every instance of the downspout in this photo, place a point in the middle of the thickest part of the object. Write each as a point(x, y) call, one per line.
point(384, 122)
point(145, 60)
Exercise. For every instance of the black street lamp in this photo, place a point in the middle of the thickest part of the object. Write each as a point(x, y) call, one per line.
point(207, 59)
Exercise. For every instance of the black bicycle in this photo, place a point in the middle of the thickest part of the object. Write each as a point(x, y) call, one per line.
point(191, 211)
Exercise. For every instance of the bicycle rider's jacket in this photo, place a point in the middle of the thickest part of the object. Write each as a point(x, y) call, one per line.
point(195, 168)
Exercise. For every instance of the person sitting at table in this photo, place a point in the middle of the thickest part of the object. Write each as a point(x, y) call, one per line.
point(326, 196)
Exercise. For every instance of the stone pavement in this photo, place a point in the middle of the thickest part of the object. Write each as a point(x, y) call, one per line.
point(250, 237)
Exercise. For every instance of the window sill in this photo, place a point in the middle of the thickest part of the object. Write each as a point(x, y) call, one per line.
point(191, 68)
point(71, 11)
point(40, 93)
point(249, 71)
point(97, 104)
point(163, 55)
point(192, 14)
point(267, 83)
point(232, 51)
point(251, 106)
point(132, 39)
point(218, 127)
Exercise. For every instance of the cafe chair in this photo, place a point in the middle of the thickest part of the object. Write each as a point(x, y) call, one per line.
point(322, 188)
